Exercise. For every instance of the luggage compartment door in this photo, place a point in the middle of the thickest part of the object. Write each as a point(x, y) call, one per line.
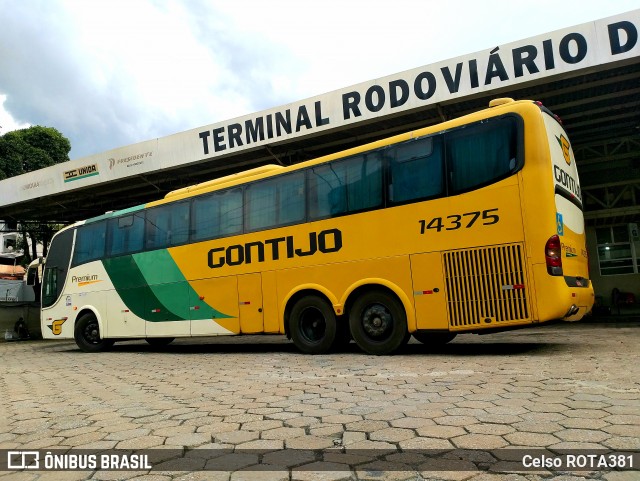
point(429, 291)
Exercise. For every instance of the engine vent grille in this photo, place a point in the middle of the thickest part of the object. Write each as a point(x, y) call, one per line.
point(486, 286)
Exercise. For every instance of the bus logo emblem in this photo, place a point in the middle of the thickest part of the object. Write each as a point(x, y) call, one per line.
point(56, 326)
point(565, 146)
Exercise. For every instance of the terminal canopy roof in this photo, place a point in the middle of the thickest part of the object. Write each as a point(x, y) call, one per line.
point(588, 74)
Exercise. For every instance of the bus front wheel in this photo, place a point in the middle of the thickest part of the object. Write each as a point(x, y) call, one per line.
point(313, 325)
point(378, 323)
point(87, 334)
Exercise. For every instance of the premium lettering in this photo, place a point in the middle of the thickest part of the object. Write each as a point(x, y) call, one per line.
point(84, 278)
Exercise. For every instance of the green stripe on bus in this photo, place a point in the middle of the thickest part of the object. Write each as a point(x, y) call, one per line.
point(170, 286)
point(133, 289)
point(152, 286)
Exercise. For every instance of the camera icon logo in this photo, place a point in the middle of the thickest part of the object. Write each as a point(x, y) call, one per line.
point(23, 460)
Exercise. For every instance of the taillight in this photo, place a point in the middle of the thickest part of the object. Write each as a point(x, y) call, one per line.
point(553, 256)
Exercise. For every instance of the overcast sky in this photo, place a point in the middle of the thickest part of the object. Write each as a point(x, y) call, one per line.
point(112, 73)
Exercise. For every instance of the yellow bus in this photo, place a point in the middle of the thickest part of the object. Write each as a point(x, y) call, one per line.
point(474, 225)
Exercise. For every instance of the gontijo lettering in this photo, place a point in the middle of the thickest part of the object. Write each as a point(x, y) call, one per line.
point(324, 242)
point(568, 182)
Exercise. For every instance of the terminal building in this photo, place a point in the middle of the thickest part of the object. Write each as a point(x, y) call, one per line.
point(589, 75)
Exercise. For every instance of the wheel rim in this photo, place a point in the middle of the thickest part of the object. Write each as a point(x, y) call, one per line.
point(312, 325)
point(91, 332)
point(377, 322)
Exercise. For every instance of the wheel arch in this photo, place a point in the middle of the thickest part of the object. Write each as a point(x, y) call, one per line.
point(90, 310)
point(302, 291)
point(372, 284)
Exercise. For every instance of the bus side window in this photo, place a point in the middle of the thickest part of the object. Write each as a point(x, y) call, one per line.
point(417, 170)
point(364, 182)
point(274, 202)
point(50, 293)
point(482, 153)
point(126, 234)
point(327, 192)
point(351, 185)
point(217, 215)
point(167, 225)
point(230, 212)
point(90, 242)
point(204, 218)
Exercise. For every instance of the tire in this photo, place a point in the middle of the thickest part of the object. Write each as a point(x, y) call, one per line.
point(434, 339)
point(159, 341)
point(87, 334)
point(313, 325)
point(378, 323)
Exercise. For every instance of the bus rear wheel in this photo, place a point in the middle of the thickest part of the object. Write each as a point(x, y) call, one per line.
point(313, 325)
point(378, 323)
point(87, 334)
point(434, 339)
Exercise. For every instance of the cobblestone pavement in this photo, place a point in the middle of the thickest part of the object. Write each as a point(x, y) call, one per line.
point(569, 386)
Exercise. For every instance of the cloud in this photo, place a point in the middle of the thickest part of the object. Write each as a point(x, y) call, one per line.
point(107, 74)
point(7, 122)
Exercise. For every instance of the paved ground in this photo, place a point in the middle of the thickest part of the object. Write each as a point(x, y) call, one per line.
point(339, 416)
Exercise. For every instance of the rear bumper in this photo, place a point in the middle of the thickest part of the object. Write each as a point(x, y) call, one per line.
point(561, 298)
point(582, 298)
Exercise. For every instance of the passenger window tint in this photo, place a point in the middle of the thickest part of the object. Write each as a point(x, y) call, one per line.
point(90, 242)
point(126, 234)
point(167, 225)
point(482, 153)
point(276, 202)
point(217, 215)
point(351, 185)
point(417, 170)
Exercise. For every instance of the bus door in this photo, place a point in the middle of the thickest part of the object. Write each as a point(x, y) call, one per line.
point(250, 303)
point(429, 291)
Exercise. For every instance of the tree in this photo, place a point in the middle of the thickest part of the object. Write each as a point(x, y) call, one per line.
point(30, 149)
point(26, 150)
